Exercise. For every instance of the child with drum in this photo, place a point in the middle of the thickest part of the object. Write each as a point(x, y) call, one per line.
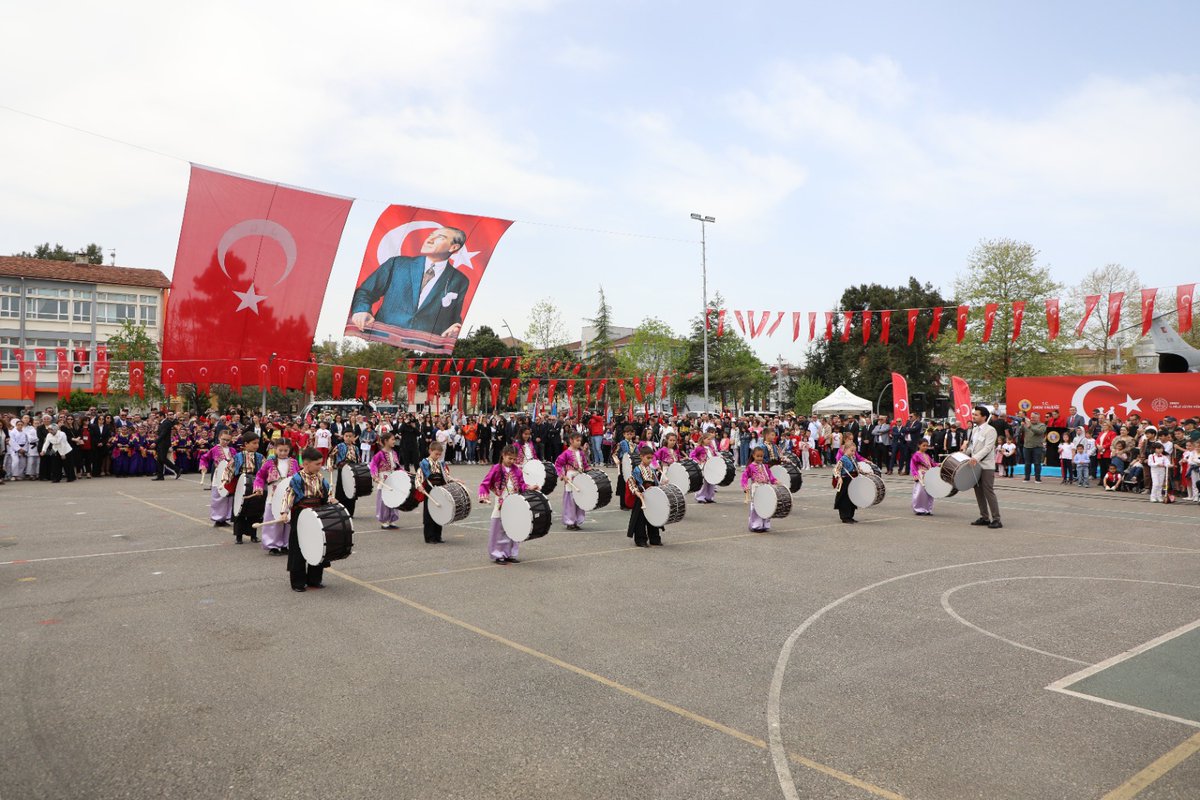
point(846, 470)
point(644, 476)
point(345, 453)
point(434, 472)
point(305, 489)
point(757, 473)
point(625, 448)
point(918, 465)
point(701, 455)
point(220, 506)
point(272, 476)
point(569, 464)
point(246, 464)
point(383, 464)
point(503, 480)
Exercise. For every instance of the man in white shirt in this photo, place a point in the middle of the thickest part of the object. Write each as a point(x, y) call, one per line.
point(981, 447)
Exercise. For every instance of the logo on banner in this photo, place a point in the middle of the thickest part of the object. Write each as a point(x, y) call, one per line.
point(1160, 404)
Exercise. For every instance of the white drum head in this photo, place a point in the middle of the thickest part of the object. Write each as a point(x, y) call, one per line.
point(677, 475)
point(656, 507)
point(396, 489)
point(935, 487)
point(715, 469)
point(441, 505)
point(284, 467)
point(349, 487)
point(311, 535)
point(515, 515)
point(782, 475)
point(239, 495)
point(865, 468)
point(534, 473)
point(862, 491)
point(277, 496)
point(218, 478)
point(587, 494)
point(626, 466)
point(765, 501)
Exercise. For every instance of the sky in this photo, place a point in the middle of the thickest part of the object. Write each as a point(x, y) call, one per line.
point(835, 144)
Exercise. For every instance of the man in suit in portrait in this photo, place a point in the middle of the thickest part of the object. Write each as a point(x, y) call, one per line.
point(423, 292)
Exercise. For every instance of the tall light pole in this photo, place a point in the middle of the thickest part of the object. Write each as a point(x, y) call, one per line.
point(703, 220)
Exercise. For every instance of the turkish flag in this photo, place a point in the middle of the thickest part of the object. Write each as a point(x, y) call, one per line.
point(533, 390)
point(388, 390)
point(795, 326)
point(81, 355)
point(475, 393)
point(170, 377)
point(961, 321)
point(361, 383)
point(899, 398)
point(1089, 305)
point(310, 377)
point(338, 377)
point(1151, 395)
point(621, 390)
point(137, 378)
point(866, 326)
point(1052, 318)
point(256, 256)
point(664, 386)
point(937, 323)
point(912, 323)
point(1183, 302)
point(495, 384)
point(1018, 308)
point(514, 387)
point(720, 323)
point(64, 372)
point(741, 320)
point(650, 383)
point(989, 320)
point(235, 377)
point(1148, 296)
point(570, 393)
point(410, 388)
point(1114, 311)
point(28, 377)
point(432, 392)
point(962, 401)
point(39, 355)
point(637, 389)
point(587, 391)
point(455, 402)
point(282, 376)
point(775, 324)
point(551, 391)
point(828, 326)
point(102, 352)
point(471, 364)
point(100, 377)
point(885, 327)
point(460, 365)
point(812, 325)
point(601, 391)
point(847, 321)
point(264, 373)
point(404, 242)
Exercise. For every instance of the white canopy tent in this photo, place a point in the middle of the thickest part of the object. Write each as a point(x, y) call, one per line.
point(841, 401)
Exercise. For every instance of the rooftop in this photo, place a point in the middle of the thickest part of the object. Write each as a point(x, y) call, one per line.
point(21, 267)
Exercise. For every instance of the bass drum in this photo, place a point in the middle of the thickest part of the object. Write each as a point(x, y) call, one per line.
point(399, 491)
point(867, 490)
point(245, 486)
point(664, 505)
point(771, 500)
point(935, 487)
point(325, 533)
point(686, 474)
point(356, 480)
point(276, 498)
point(718, 471)
point(960, 474)
point(526, 516)
point(626, 466)
point(593, 490)
point(788, 475)
point(450, 503)
point(219, 473)
point(540, 474)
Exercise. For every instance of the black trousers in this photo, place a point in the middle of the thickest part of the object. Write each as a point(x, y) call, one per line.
point(842, 502)
point(641, 531)
point(300, 571)
point(98, 454)
point(340, 495)
point(53, 467)
point(433, 531)
point(160, 453)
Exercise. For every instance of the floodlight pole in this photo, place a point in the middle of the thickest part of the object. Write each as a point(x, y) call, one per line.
point(703, 220)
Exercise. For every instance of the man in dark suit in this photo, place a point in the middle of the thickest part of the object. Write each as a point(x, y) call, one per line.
point(424, 292)
point(162, 443)
point(1074, 419)
point(99, 433)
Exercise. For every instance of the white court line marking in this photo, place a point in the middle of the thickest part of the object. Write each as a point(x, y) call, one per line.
point(950, 610)
point(1061, 684)
point(774, 699)
point(1157, 519)
point(114, 553)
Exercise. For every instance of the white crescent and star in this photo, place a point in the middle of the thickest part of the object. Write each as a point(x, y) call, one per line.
point(1079, 399)
point(249, 299)
point(393, 240)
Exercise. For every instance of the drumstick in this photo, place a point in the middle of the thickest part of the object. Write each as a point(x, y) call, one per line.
point(272, 522)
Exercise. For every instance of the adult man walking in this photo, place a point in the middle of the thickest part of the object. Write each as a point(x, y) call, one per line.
point(981, 448)
point(162, 443)
point(1034, 431)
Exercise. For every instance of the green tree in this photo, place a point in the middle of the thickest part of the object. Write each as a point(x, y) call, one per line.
point(482, 343)
point(805, 392)
point(132, 343)
point(866, 369)
point(1104, 281)
point(1003, 271)
point(653, 348)
point(601, 355)
point(735, 373)
point(94, 252)
point(546, 328)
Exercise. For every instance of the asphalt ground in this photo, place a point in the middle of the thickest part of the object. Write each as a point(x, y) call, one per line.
point(145, 655)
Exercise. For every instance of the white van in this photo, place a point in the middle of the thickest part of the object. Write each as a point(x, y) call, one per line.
point(343, 407)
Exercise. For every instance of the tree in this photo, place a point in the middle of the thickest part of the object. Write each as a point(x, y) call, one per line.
point(653, 348)
point(482, 343)
point(735, 373)
point(805, 392)
point(1002, 271)
point(1104, 281)
point(94, 252)
point(867, 369)
point(132, 343)
point(601, 355)
point(546, 328)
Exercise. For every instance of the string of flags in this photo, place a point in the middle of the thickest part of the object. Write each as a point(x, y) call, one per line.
point(754, 324)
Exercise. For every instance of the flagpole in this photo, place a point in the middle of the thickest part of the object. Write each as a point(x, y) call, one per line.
point(703, 220)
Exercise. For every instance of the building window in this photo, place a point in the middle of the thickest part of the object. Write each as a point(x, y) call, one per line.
point(8, 351)
point(48, 304)
point(149, 315)
point(10, 301)
point(115, 308)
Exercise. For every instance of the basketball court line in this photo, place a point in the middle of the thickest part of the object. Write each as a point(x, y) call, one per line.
point(620, 687)
point(1156, 769)
point(113, 553)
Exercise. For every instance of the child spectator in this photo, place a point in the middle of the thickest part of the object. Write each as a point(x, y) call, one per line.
point(1083, 464)
point(1065, 454)
point(1132, 479)
point(1112, 478)
point(1159, 464)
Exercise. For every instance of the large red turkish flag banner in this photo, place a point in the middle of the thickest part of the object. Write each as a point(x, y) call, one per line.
point(251, 270)
point(419, 274)
point(1151, 396)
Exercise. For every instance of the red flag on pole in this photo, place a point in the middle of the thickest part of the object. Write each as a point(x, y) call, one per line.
point(507, 363)
point(1148, 296)
point(28, 379)
point(601, 394)
point(170, 377)
point(775, 324)
point(741, 321)
point(137, 378)
point(847, 320)
point(475, 393)
point(258, 256)
point(812, 325)
point(235, 376)
point(1018, 308)
point(899, 398)
point(100, 377)
point(650, 383)
point(962, 401)
point(885, 327)
point(388, 389)
point(39, 355)
point(989, 320)
point(495, 387)
point(1115, 299)
point(795, 326)
point(637, 389)
point(361, 383)
point(720, 323)
point(310, 377)
point(551, 391)
point(1183, 302)
point(64, 372)
point(1052, 319)
point(471, 364)
point(621, 389)
point(912, 323)
point(960, 319)
point(937, 323)
point(455, 394)
point(338, 377)
point(410, 389)
point(282, 376)
point(533, 390)
point(513, 388)
point(664, 386)
point(81, 355)
point(1089, 305)
point(432, 394)
point(587, 391)
point(570, 393)
point(866, 326)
